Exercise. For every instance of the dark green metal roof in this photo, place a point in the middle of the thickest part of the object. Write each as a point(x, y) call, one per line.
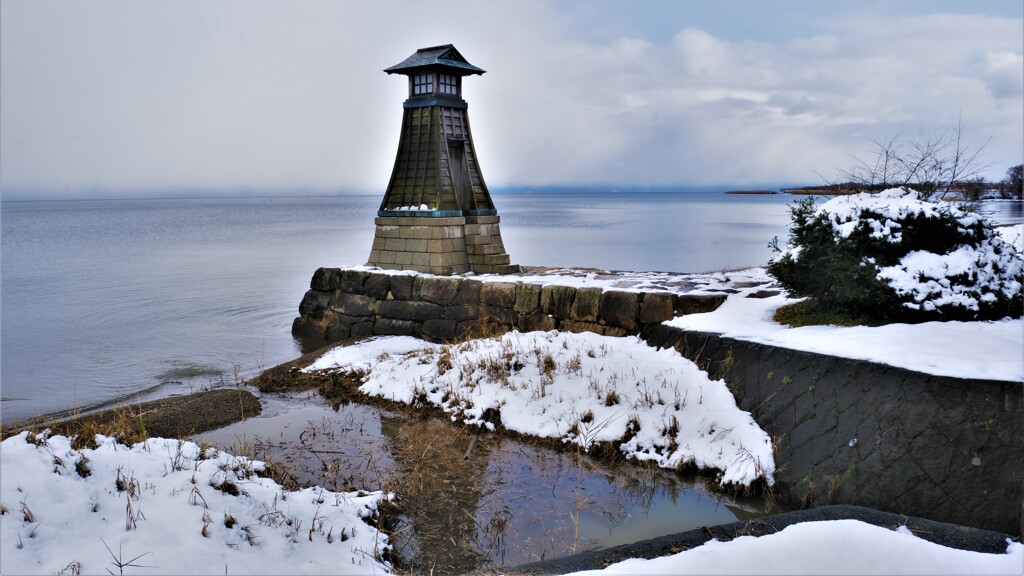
point(442, 56)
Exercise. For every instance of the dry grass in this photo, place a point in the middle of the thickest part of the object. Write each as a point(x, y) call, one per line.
point(174, 417)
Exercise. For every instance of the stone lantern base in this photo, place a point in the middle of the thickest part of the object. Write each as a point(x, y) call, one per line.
point(440, 245)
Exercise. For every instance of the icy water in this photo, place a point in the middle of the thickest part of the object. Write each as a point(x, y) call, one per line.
point(505, 504)
point(101, 299)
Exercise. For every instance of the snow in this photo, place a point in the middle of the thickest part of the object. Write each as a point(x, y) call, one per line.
point(832, 547)
point(847, 212)
point(968, 275)
point(155, 507)
point(582, 389)
point(167, 495)
point(678, 283)
point(986, 350)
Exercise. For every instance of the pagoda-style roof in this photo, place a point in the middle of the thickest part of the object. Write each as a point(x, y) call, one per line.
point(445, 56)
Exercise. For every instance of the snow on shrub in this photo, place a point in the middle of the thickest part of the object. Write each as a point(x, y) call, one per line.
point(895, 257)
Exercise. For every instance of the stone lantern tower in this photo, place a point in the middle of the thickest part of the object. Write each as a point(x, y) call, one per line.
point(437, 216)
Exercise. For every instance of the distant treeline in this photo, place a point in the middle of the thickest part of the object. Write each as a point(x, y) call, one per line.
point(826, 189)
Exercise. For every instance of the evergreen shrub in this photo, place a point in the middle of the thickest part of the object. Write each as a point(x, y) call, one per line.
point(894, 257)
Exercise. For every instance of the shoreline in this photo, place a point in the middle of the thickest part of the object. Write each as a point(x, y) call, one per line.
point(171, 417)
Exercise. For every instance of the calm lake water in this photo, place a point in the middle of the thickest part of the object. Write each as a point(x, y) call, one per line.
point(101, 299)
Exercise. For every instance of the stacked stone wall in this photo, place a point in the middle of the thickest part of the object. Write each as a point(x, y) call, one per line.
point(484, 246)
point(343, 304)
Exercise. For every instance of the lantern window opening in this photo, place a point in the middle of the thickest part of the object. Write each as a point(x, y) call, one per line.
point(423, 84)
point(449, 84)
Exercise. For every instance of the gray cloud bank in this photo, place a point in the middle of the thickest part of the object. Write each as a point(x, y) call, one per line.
point(134, 98)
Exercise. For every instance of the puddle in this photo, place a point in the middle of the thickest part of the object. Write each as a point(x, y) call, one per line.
point(508, 503)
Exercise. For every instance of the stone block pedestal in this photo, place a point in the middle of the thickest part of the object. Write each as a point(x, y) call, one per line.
point(440, 245)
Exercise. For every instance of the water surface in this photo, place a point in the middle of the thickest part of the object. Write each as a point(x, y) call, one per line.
point(507, 503)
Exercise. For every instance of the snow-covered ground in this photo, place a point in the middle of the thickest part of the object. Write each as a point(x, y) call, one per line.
point(168, 507)
point(986, 350)
point(580, 388)
point(833, 547)
point(154, 509)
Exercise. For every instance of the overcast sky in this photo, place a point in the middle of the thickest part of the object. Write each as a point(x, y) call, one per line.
point(156, 97)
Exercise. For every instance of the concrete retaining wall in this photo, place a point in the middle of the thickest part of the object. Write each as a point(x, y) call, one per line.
point(846, 431)
point(855, 432)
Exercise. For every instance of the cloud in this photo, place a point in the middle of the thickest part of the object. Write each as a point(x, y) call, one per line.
point(290, 96)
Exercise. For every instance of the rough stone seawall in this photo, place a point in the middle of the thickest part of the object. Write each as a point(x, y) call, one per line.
point(943, 448)
point(344, 304)
point(855, 432)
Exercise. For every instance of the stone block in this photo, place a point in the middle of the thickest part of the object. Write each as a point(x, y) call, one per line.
point(418, 232)
point(442, 260)
point(353, 304)
point(394, 327)
point(378, 244)
point(557, 300)
point(536, 321)
point(401, 286)
point(527, 298)
point(490, 260)
point(394, 244)
point(439, 330)
point(409, 310)
point(501, 294)
point(306, 327)
point(440, 245)
point(377, 285)
point(339, 328)
point(417, 245)
point(403, 258)
point(484, 249)
point(388, 232)
point(496, 269)
point(472, 240)
point(620, 309)
point(504, 316)
point(326, 279)
point(352, 281)
point(656, 307)
point(313, 303)
point(420, 261)
point(483, 328)
point(586, 304)
point(360, 330)
point(577, 327)
point(469, 292)
point(461, 313)
point(441, 232)
point(698, 303)
point(436, 290)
